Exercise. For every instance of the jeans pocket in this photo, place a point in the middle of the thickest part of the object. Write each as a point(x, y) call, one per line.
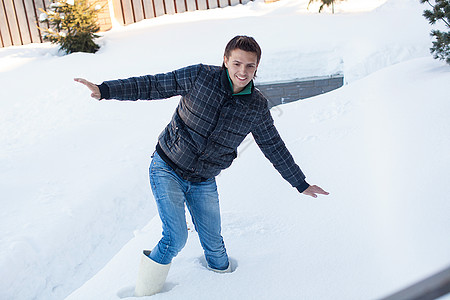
point(159, 165)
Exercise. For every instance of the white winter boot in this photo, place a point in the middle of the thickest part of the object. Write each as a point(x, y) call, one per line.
point(151, 276)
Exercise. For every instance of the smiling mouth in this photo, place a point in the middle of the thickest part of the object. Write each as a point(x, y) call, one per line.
point(241, 78)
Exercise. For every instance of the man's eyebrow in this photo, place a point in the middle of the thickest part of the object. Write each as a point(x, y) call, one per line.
point(237, 61)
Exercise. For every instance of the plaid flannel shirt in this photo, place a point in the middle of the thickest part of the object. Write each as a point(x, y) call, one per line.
point(209, 123)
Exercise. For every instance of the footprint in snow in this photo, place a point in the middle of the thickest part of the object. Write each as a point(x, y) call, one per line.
point(234, 263)
point(128, 292)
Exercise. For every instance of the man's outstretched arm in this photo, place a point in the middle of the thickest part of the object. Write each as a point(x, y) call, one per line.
point(147, 87)
point(273, 147)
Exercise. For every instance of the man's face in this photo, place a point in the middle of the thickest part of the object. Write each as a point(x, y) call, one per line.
point(241, 66)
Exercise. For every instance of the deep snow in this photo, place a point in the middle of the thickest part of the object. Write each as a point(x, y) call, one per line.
point(73, 171)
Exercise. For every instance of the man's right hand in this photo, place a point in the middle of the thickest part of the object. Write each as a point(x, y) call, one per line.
point(93, 87)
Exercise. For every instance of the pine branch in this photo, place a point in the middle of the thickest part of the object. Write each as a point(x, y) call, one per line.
point(430, 16)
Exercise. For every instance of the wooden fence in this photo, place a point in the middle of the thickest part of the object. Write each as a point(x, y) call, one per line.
point(19, 18)
point(131, 11)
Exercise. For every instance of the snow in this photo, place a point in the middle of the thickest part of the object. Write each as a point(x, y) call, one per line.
point(77, 209)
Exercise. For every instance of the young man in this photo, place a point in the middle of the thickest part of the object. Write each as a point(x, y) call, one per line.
point(218, 108)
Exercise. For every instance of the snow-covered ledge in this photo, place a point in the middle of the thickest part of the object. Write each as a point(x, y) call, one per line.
point(281, 92)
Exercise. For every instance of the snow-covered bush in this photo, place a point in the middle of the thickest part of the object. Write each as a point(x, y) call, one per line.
point(72, 25)
point(440, 12)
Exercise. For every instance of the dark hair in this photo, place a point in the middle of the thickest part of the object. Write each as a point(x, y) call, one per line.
point(245, 43)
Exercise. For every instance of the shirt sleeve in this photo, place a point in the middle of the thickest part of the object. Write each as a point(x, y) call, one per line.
point(275, 150)
point(149, 87)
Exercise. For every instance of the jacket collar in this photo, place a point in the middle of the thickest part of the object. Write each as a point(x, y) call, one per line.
point(247, 89)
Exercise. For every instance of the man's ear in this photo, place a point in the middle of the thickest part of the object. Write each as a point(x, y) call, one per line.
point(225, 61)
point(256, 70)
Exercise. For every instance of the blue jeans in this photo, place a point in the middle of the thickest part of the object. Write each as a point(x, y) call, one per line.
point(171, 193)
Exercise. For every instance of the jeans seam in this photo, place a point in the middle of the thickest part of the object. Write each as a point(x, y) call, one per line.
point(166, 247)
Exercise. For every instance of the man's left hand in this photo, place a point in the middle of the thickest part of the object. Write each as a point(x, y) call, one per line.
point(313, 190)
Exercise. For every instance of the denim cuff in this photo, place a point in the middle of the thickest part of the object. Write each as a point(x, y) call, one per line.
point(104, 91)
point(302, 187)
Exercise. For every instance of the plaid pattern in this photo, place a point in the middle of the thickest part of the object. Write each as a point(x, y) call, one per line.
point(209, 123)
